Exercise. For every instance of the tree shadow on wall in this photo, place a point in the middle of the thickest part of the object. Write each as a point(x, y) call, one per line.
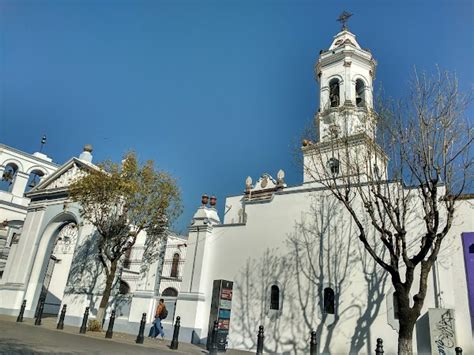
point(371, 300)
point(322, 255)
point(323, 252)
point(87, 277)
point(251, 298)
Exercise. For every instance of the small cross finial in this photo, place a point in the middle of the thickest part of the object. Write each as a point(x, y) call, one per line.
point(43, 142)
point(343, 18)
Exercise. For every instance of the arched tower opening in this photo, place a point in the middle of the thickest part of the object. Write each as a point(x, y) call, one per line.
point(334, 93)
point(8, 177)
point(34, 179)
point(360, 93)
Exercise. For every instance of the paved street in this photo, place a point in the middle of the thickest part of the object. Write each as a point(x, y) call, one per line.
point(25, 338)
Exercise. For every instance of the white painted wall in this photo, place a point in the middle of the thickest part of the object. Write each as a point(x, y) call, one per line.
point(225, 251)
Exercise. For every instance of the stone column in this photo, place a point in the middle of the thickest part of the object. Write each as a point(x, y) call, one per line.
point(19, 184)
point(347, 82)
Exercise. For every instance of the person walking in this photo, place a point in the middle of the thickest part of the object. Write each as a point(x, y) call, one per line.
point(160, 314)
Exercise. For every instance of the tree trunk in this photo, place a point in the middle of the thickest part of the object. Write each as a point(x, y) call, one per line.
point(405, 334)
point(106, 295)
point(405, 345)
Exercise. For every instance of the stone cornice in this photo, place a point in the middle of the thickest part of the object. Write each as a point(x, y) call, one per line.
point(28, 156)
point(339, 55)
point(350, 141)
point(191, 296)
point(201, 228)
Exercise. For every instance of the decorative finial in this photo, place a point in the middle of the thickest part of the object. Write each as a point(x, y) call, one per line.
point(343, 18)
point(248, 183)
point(213, 201)
point(204, 199)
point(281, 176)
point(43, 142)
point(88, 148)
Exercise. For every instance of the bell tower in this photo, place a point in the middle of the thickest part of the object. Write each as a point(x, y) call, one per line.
point(345, 73)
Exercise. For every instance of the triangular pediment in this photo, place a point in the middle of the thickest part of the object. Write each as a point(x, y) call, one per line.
point(64, 176)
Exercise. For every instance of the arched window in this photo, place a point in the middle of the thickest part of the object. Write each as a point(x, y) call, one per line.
point(8, 177)
point(175, 265)
point(275, 297)
point(360, 93)
point(170, 292)
point(34, 179)
point(124, 288)
point(396, 308)
point(334, 97)
point(333, 166)
point(328, 301)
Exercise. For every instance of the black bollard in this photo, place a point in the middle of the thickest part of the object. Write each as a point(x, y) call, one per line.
point(39, 315)
point(61, 318)
point(379, 348)
point(140, 337)
point(174, 341)
point(458, 350)
point(260, 338)
point(22, 311)
point(84, 321)
point(110, 328)
point(213, 345)
point(313, 343)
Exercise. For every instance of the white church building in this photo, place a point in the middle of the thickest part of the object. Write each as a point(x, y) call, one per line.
point(285, 257)
point(290, 259)
point(50, 251)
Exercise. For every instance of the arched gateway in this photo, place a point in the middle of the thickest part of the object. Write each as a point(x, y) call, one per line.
point(58, 266)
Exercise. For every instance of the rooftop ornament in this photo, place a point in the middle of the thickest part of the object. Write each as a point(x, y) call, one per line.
point(213, 201)
point(204, 199)
point(343, 18)
point(43, 142)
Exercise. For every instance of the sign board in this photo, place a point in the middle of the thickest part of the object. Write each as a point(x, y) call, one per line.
point(224, 314)
point(224, 324)
point(220, 311)
point(442, 331)
point(225, 304)
point(226, 294)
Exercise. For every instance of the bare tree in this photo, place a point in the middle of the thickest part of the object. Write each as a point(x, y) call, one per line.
point(415, 172)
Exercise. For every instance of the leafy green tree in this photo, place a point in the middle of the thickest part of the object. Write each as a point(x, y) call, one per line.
point(121, 201)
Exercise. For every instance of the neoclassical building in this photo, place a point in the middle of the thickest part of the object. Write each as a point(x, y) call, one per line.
point(19, 173)
point(290, 260)
point(53, 257)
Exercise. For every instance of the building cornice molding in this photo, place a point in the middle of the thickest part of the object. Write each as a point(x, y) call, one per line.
point(27, 156)
point(350, 141)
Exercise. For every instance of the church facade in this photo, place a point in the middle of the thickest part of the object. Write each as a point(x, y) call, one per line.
point(53, 257)
point(291, 260)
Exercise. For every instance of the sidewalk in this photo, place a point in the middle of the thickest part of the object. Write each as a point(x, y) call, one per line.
point(25, 337)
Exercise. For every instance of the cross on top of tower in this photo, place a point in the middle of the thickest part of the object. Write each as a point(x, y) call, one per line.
point(343, 18)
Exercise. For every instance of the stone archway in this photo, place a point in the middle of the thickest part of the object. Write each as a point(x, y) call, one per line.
point(57, 269)
point(55, 241)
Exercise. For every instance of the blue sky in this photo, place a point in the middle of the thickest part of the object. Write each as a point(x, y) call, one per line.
point(213, 91)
